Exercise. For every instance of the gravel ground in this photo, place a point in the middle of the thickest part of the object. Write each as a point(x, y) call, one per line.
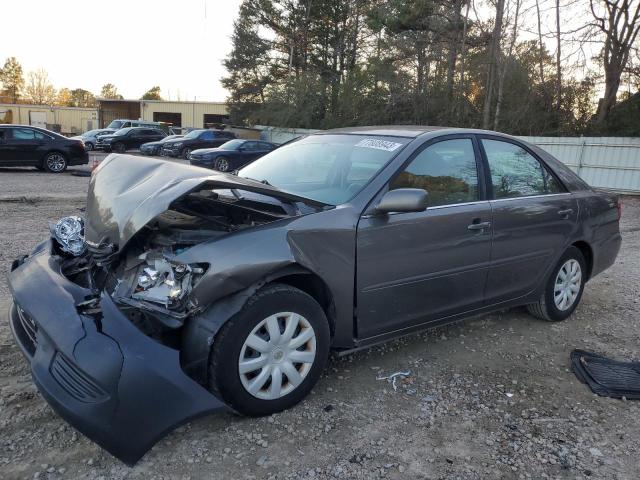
point(490, 397)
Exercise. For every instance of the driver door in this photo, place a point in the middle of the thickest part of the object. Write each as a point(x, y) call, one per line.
point(419, 267)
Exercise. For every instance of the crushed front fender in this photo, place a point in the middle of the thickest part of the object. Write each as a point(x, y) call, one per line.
point(120, 388)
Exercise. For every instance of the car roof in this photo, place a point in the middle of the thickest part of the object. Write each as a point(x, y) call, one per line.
point(406, 131)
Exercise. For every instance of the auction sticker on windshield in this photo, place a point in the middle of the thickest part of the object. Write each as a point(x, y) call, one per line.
point(378, 144)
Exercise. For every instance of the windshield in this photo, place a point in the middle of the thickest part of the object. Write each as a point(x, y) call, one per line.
point(123, 131)
point(116, 124)
point(231, 145)
point(194, 133)
point(328, 168)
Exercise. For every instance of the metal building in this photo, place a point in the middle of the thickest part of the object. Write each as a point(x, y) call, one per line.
point(178, 114)
point(65, 120)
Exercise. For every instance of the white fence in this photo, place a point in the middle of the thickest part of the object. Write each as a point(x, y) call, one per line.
point(606, 162)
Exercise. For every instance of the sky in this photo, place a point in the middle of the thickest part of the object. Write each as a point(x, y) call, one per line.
point(134, 44)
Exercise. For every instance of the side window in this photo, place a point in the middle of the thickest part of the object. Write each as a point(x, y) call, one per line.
point(446, 170)
point(22, 134)
point(41, 136)
point(208, 135)
point(517, 173)
point(251, 146)
point(265, 146)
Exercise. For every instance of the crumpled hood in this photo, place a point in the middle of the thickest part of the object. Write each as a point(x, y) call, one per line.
point(127, 192)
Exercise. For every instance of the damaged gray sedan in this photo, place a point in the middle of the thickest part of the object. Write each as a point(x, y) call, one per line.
point(183, 292)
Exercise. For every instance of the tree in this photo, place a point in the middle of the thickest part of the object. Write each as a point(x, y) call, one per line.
point(494, 54)
point(152, 94)
point(619, 21)
point(109, 90)
point(39, 89)
point(83, 98)
point(64, 98)
point(12, 79)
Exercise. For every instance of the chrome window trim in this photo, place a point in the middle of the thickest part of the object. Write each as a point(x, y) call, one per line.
point(546, 195)
point(478, 202)
point(436, 207)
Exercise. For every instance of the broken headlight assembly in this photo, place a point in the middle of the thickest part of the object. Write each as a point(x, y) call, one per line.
point(156, 283)
point(69, 235)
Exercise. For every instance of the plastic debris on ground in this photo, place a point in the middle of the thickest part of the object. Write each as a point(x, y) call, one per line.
point(607, 377)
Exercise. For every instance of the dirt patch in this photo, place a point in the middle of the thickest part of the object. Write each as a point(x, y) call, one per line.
point(491, 397)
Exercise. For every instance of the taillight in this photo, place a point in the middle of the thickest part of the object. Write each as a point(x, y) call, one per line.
point(619, 208)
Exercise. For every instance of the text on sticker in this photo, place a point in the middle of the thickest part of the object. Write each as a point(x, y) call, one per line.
point(378, 144)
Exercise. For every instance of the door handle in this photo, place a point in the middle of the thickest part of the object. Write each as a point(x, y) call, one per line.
point(566, 212)
point(479, 226)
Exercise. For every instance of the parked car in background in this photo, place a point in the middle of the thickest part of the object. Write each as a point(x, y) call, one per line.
point(195, 139)
point(231, 155)
point(129, 138)
point(126, 123)
point(26, 146)
point(90, 138)
point(186, 292)
point(153, 148)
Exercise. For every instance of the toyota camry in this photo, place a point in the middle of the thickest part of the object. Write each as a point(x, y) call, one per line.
point(184, 291)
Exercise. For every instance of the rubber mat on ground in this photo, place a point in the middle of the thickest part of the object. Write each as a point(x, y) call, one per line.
point(606, 377)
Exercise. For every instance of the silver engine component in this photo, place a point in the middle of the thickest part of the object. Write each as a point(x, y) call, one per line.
point(163, 282)
point(69, 233)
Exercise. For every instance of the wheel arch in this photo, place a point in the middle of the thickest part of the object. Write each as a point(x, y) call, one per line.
point(587, 253)
point(53, 150)
point(200, 331)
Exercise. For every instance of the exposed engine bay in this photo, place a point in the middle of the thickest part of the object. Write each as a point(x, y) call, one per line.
point(145, 279)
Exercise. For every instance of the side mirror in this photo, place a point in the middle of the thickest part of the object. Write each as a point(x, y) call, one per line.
point(403, 200)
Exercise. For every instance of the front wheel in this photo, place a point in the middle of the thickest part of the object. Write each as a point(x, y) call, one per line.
point(185, 153)
point(118, 147)
point(223, 164)
point(55, 162)
point(88, 146)
point(564, 288)
point(269, 356)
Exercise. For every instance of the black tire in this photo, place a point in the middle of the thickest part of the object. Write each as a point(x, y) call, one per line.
point(54, 162)
point(118, 147)
point(185, 153)
point(89, 146)
point(223, 164)
point(224, 373)
point(546, 308)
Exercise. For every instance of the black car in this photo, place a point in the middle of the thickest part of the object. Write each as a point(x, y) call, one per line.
point(185, 291)
point(231, 155)
point(194, 140)
point(153, 148)
point(129, 138)
point(26, 146)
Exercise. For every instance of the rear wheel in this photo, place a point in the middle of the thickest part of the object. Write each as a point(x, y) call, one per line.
point(564, 288)
point(223, 164)
point(269, 356)
point(55, 162)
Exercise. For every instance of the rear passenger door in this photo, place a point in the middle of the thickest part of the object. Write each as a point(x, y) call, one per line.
point(533, 217)
point(22, 145)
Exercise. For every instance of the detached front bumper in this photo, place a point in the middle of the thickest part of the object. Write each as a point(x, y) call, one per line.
point(117, 386)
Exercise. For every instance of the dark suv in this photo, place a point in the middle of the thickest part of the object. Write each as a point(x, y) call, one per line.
point(26, 146)
point(194, 140)
point(129, 138)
